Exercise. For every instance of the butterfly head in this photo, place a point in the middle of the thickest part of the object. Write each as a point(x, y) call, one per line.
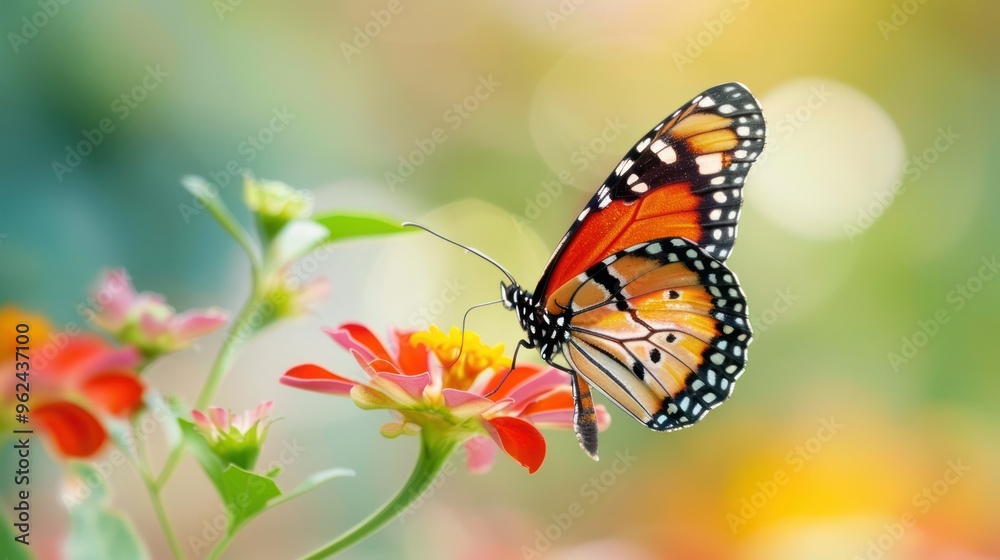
point(508, 294)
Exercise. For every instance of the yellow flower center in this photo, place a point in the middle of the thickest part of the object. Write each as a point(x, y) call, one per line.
point(462, 363)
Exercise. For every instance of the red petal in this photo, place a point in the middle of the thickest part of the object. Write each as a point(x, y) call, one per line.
point(555, 400)
point(75, 431)
point(314, 378)
point(519, 439)
point(353, 336)
point(118, 393)
point(412, 359)
point(88, 353)
point(518, 376)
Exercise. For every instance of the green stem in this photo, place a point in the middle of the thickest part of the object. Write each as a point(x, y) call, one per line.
point(219, 547)
point(161, 516)
point(434, 453)
point(243, 329)
point(143, 466)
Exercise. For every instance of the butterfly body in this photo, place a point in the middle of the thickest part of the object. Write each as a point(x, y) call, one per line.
point(545, 331)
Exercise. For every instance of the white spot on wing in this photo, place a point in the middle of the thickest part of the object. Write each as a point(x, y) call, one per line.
point(709, 164)
point(667, 155)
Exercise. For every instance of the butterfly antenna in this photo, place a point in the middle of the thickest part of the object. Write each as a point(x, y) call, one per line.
point(476, 252)
point(461, 345)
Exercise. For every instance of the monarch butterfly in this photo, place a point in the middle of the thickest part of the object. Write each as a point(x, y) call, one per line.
point(636, 298)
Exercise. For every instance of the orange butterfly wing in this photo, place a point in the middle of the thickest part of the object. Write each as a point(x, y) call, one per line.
point(661, 328)
point(683, 179)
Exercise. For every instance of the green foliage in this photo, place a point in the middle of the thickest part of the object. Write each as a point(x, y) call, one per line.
point(246, 494)
point(348, 225)
point(95, 530)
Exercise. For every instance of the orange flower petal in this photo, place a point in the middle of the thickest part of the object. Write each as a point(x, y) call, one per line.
point(75, 431)
point(315, 378)
point(357, 337)
point(518, 376)
point(519, 439)
point(119, 393)
point(412, 359)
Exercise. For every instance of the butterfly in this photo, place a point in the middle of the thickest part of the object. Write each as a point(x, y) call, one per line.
point(636, 299)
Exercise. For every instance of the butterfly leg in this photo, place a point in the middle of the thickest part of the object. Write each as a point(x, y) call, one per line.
point(513, 364)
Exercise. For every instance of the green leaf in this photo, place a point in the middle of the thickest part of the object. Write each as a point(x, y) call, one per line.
point(295, 240)
point(245, 495)
point(199, 447)
point(311, 482)
point(348, 225)
point(208, 195)
point(95, 530)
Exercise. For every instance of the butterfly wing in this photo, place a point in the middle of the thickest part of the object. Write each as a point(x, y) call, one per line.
point(682, 179)
point(661, 328)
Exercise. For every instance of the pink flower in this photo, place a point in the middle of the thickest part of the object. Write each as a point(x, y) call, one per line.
point(145, 320)
point(430, 386)
point(235, 438)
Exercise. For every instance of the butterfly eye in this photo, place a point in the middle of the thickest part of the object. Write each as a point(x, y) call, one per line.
point(506, 296)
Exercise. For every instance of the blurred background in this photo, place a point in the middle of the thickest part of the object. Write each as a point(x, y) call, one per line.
point(866, 425)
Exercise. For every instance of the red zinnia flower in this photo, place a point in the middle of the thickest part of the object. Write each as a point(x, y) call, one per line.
point(85, 379)
point(430, 386)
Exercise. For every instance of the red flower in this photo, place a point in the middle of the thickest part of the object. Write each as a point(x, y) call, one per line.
point(431, 387)
point(85, 379)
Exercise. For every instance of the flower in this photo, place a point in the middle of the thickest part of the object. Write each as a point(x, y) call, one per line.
point(10, 318)
point(293, 296)
point(275, 204)
point(434, 382)
point(235, 438)
point(145, 320)
point(85, 379)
